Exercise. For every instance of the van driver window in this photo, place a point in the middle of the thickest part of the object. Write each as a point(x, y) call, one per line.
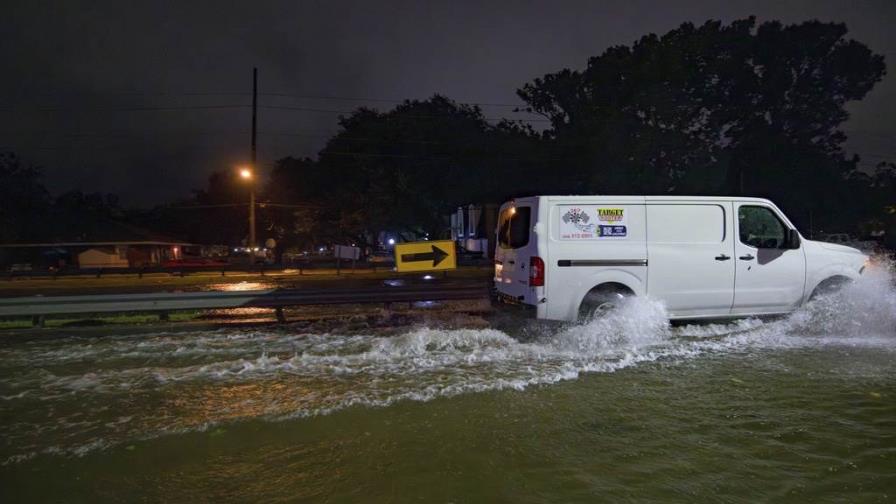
point(760, 227)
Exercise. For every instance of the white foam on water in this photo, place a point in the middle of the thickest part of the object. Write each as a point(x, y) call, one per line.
point(300, 375)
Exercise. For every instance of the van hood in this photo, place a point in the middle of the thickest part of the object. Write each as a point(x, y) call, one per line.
point(837, 248)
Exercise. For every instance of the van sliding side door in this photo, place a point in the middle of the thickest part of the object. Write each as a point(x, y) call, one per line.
point(690, 248)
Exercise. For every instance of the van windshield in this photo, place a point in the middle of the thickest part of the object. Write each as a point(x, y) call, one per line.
point(513, 227)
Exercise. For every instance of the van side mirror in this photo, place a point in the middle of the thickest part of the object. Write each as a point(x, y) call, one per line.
point(793, 239)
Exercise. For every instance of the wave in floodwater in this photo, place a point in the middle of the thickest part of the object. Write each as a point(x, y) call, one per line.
point(72, 396)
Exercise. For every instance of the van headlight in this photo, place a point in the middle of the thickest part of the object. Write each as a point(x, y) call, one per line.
point(868, 264)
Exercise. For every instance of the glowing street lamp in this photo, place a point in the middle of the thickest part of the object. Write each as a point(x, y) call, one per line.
point(247, 175)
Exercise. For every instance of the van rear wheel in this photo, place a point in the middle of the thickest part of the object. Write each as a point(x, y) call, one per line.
point(601, 301)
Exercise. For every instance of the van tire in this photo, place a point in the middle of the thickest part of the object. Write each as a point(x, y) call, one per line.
point(830, 286)
point(601, 300)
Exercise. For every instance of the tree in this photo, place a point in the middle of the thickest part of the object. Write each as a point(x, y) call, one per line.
point(24, 202)
point(736, 109)
point(404, 170)
point(295, 204)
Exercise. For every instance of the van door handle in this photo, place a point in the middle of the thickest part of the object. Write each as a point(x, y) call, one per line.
point(511, 262)
point(748, 257)
point(722, 257)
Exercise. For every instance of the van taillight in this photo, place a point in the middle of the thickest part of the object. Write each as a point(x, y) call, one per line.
point(536, 272)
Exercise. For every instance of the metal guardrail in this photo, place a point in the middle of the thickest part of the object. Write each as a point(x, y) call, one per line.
point(36, 306)
point(148, 270)
point(301, 266)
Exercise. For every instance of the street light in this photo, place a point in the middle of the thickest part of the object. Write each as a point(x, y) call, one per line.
point(247, 175)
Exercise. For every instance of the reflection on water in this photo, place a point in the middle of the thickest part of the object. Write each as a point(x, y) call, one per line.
point(240, 286)
point(77, 397)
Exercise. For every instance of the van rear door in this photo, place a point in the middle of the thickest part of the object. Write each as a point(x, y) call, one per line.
point(516, 245)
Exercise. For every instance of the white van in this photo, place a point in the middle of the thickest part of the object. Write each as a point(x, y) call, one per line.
point(704, 257)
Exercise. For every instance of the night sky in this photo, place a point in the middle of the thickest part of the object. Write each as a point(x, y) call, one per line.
point(145, 100)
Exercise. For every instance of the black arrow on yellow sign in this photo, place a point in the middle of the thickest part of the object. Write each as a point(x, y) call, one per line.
point(436, 256)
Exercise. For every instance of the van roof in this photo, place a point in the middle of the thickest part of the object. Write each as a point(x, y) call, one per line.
point(639, 199)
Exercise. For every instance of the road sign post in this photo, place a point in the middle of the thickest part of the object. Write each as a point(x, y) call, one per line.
point(425, 256)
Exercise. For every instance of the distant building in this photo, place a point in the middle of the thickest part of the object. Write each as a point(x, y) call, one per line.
point(473, 228)
point(92, 255)
point(104, 257)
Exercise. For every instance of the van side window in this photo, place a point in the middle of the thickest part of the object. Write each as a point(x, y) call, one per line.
point(513, 227)
point(760, 227)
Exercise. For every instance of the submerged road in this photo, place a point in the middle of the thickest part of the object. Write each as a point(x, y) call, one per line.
point(624, 408)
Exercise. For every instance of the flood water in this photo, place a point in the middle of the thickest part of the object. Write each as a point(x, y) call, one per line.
point(626, 408)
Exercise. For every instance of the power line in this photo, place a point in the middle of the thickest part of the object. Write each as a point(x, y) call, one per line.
point(222, 107)
point(128, 134)
point(337, 111)
point(275, 95)
point(124, 109)
point(383, 100)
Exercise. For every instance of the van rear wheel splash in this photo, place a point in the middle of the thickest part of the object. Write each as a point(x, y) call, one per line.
point(601, 301)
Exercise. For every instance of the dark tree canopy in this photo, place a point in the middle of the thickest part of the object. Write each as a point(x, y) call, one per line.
point(404, 170)
point(715, 108)
point(24, 202)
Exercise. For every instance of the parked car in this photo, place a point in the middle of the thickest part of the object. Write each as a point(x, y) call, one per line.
point(382, 257)
point(703, 257)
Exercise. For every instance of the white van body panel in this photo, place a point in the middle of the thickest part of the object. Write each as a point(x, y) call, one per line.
point(828, 260)
point(690, 252)
point(703, 257)
point(575, 265)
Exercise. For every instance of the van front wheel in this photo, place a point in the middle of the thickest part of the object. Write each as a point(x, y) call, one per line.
point(602, 300)
point(830, 286)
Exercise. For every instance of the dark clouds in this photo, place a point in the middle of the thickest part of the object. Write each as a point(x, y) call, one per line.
point(72, 66)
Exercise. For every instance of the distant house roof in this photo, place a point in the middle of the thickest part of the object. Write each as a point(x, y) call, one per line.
point(97, 244)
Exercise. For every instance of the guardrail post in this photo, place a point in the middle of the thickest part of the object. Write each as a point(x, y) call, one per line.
point(163, 316)
point(38, 321)
point(281, 317)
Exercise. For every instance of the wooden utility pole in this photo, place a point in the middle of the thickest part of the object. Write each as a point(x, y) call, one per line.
point(252, 241)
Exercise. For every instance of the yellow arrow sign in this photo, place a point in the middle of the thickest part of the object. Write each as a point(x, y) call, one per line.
point(425, 256)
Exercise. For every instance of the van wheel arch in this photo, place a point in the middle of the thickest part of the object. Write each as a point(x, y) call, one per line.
point(830, 285)
point(603, 298)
